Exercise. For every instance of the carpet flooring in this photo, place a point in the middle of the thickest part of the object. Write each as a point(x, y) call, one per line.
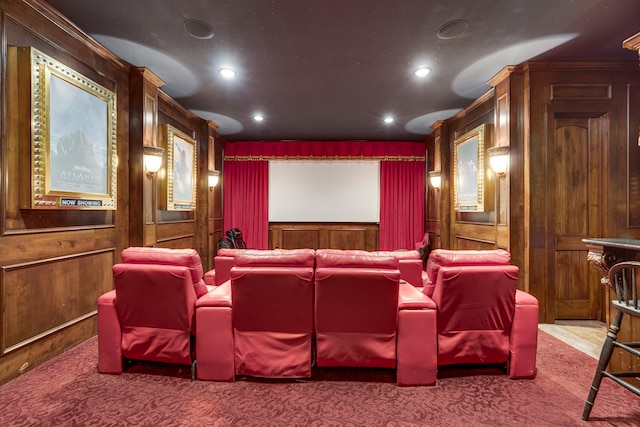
point(68, 391)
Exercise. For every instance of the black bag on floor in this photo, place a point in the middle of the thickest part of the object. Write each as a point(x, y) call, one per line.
point(234, 235)
point(225, 242)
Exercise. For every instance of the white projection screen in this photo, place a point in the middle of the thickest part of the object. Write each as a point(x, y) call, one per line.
point(324, 191)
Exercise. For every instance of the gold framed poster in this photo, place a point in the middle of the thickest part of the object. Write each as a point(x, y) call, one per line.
point(73, 150)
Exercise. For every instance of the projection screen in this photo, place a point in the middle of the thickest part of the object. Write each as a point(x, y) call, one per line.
point(324, 191)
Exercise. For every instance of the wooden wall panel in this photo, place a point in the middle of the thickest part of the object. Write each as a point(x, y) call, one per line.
point(585, 103)
point(179, 243)
point(510, 130)
point(175, 230)
point(324, 236)
point(216, 221)
point(463, 243)
point(143, 101)
point(501, 139)
point(580, 91)
point(471, 230)
point(347, 238)
point(296, 238)
point(53, 263)
point(633, 161)
point(186, 229)
point(40, 306)
point(574, 297)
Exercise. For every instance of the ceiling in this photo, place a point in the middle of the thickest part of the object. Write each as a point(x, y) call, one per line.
point(333, 69)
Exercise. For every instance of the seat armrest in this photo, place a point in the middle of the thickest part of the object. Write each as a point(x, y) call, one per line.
point(219, 297)
point(417, 349)
point(427, 285)
point(108, 298)
point(524, 298)
point(410, 298)
point(109, 335)
point(210, 278)
point(214, 335)
point(523, 341)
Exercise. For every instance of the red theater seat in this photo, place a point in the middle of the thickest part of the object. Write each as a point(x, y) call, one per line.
point(150, 315)
point(260, 323)
point(366, 317)
point(482, 317)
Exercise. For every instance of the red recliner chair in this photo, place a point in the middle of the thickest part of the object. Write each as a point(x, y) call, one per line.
point(222, 264)
point(366, 317)
point(409, 262)
point(482, 317)
point(260, 323)
point(449, 257)
point(150, 315)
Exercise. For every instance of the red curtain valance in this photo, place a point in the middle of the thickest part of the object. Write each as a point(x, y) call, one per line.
point(327, 150)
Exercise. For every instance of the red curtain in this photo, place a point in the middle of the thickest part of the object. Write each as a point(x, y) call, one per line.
point(329, 150)
point(246, 186)
point(402, 188)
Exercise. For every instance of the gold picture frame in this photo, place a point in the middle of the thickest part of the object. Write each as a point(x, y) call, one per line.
point(469, 181)
point(73, 149)
point(178, 190)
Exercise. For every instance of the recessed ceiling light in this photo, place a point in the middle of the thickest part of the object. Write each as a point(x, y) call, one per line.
point(422, 71)
point(388, 120)
point(227, 73)
point(258, 117)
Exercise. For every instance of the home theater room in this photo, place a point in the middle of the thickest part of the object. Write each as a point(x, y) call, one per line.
point(326, 213)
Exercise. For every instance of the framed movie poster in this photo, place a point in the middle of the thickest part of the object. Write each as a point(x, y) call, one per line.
point(178, 191)
point(73, 155)
point(469, 186)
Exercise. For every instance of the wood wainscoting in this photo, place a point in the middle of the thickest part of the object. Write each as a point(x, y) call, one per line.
point(324, 236)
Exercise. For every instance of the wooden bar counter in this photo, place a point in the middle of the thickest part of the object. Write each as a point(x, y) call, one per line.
point(603, 254)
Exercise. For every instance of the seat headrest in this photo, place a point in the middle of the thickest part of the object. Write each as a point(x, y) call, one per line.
point(164, 256)
point(354, 259)
point(447, 257)
point(231, 251)
point(276, 258)
point(401, 255)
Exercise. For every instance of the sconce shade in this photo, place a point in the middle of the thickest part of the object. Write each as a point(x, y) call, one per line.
point(499, 159)
point(152, 158)
point(435, 179)
point(214, 178)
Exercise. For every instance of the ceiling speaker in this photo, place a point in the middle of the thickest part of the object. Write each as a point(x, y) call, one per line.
point(452, 29)
point(198, 29)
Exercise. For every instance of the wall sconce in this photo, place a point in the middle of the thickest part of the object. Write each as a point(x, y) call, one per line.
point(213, 179)
point(436, 179)
point(152, 158)
point(499, 159)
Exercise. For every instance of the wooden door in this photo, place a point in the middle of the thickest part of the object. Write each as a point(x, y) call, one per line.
point(576, 162)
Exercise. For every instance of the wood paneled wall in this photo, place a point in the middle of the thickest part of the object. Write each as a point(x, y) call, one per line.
point(54, 264)
point(584, 134)
point(215, 218)
point(581, 122)
point(572, 129)
point(464, 230)
point(327, 236)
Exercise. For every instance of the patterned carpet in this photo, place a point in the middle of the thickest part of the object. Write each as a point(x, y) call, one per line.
point(68, 391)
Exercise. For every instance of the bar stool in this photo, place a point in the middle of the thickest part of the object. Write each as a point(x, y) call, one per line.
point(622, 277)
